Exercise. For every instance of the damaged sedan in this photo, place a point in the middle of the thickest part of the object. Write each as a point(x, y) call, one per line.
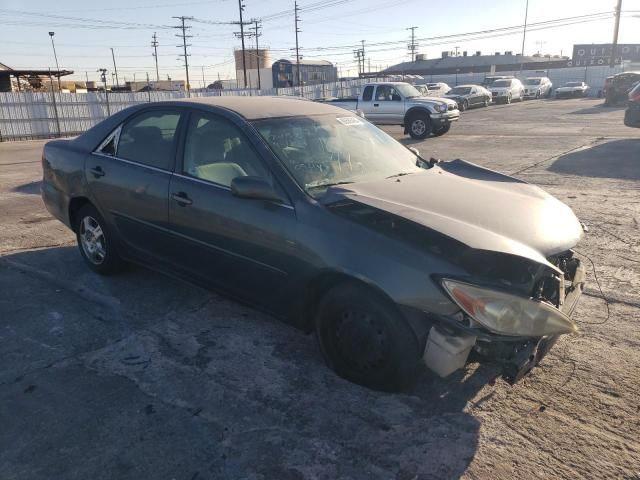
point(313, 214)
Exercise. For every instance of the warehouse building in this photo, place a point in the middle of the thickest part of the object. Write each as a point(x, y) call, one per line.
point(11, 79)
point(312, 72)
point(476, 63)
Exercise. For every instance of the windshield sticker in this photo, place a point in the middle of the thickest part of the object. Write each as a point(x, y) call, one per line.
point(349, 121)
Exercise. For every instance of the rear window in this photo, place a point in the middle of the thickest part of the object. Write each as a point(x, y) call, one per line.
point(501, 83)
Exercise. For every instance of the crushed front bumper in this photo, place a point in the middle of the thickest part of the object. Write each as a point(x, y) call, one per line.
point(519, 355)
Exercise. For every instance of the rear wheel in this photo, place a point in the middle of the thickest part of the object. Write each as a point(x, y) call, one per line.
point(95, 242)
point(364, 339)
point(419, 126)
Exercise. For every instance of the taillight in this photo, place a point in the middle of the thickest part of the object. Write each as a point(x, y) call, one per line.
point(634, 95)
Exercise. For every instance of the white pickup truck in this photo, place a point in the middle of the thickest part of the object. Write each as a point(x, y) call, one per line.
point(398, 103)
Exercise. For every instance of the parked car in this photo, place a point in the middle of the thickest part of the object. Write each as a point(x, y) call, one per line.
point(488, 81)
point(572, 89)
point(632, 113)
point(439, 88)
point(467, 96)
point(398, 103)
point(312, 213)
point(507, 90)
point(423, 89)
point(619, 87)
point(536, 87)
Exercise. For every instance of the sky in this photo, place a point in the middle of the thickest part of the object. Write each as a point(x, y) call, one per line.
point(330, 29)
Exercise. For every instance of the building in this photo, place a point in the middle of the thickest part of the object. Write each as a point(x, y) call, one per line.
point(29, 78)
point(476, 63)
point(258, 68)
point(312, 72)
point(152, 85)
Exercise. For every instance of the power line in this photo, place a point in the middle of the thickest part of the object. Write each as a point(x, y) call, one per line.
point(184, 45)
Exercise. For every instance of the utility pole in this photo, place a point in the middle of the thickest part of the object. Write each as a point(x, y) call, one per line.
point(257, 34)
point(363, 57)
point(524, 36)
point(244, 60)
point(51, 34)
point(114, 67)
point(616, 28)
point(204, 83)
point(413, 46)
point(184, 46)
point(457, 48)
point(296, 10)
point(154, 44)
point(358, 56)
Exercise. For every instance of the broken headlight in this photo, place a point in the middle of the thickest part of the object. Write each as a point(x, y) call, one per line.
point(508, 314)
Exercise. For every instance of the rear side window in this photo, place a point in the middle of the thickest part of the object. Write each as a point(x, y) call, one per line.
point(367, 95)
point(149, 138)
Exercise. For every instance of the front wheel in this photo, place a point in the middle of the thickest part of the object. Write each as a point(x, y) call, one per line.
point(96, 243)
point(464, 105)
point(419, 126)
point(508, 100)
point(486, 102)
point(437, 132)
point(364, 339)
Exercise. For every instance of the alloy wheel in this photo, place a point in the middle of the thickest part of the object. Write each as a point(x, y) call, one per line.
point(93, 240)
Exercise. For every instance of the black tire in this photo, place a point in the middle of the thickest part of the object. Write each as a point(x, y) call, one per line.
point(538, 95)
point(486, 102)
point(97, 249)
point(464, 106)
point(508, 99)
point(417, 130)
point(438, 132)
point(364, 339)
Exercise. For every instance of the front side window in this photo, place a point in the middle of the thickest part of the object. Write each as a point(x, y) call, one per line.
point(386, 93)
point(324, 150)
point(216, 151)
point(149, 138)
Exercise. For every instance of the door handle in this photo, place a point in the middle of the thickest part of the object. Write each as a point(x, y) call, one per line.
point(376, 104)
point(97, 172)
point(182, 199)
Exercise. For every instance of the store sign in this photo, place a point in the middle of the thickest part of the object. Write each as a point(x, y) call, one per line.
point(600, 54)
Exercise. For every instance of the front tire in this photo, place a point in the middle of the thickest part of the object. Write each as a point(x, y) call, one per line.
point(364, 339)
point(419, 126)
point(96, 243)
point(508, 100)
point(464, 106)
point(438, 132)
point(486, 102)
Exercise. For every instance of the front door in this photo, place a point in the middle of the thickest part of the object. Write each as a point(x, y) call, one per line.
point(243, 246)
point(129, 175)
point(388, 106)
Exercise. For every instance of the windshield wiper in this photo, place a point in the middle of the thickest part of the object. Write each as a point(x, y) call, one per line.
point(328, 184)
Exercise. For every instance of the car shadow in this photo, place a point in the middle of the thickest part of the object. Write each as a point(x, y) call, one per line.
point(617, 159)
point(601, 108)
point(238, 369)
point(31, 188)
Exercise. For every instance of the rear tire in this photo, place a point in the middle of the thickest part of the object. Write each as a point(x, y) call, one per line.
point(419, 126)
point(96, 243)
point(365, 340)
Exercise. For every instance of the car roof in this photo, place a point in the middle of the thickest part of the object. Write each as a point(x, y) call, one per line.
point(255, 108)
point(466, 85)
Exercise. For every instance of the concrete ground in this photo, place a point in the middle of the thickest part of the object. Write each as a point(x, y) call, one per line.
point(140, 376)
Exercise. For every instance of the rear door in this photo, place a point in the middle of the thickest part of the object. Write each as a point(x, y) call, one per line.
point(366, 102)
point(128, 176)
point(243, 246)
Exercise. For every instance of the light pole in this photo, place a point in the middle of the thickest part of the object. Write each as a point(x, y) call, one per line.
point(524, 35)
point(51, 34)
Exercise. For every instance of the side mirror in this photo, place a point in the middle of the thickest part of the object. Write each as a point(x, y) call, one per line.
point(254, 187)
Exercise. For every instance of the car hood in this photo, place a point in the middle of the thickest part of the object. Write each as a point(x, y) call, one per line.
point(433, 100)
point(455, 97)
point(569, 89)
point(481, 208)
